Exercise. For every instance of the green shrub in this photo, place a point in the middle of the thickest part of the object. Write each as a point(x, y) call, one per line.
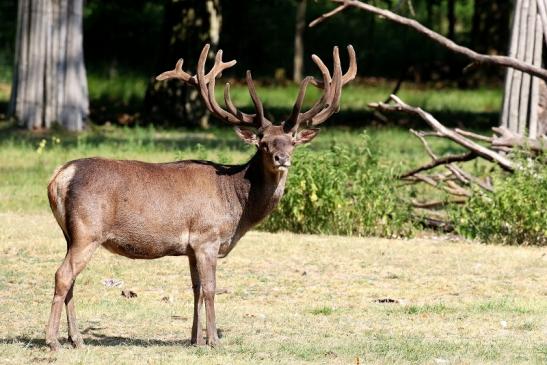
point(515, 213)
point(343, 190)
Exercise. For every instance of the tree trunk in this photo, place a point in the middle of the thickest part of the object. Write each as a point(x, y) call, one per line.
point(49, 82)
point(187, 26)
point(298, 40)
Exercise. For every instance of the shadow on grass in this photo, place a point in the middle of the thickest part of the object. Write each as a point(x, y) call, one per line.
point(93, 338)
point(211, 139)
point(350, 118)
point(97, 340)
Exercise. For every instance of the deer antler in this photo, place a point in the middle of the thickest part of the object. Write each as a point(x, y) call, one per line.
point(323, 108)
point(329, 102)
point(205, 84)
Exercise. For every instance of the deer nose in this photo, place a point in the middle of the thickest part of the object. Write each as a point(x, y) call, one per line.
point(282, 159)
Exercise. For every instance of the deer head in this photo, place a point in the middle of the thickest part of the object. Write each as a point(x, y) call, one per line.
point(275, 142)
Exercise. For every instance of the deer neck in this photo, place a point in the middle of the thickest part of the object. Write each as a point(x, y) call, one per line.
point(261, 191)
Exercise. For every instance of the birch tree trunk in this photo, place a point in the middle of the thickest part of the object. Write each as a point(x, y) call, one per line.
point(49, 80)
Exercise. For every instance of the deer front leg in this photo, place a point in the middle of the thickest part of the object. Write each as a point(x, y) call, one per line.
point(197, 336)
point(206, 262)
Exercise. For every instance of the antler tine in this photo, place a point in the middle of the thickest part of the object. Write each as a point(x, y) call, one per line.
point(247, 118)
point(200, 73)
point(205, 83)
point(350, 73)
point(177, 73)
point(293, 121)
point(206, 86)
point(327, 91)
point(336, 91)
point(259, 120)
point(352, 69)
point(215, 108)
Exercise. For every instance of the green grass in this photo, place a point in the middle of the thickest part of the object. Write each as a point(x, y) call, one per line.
point(25, 166)
point(124, 89)
point(355, 97)
point(325, 310)
point(455, 301)
point(131, 88)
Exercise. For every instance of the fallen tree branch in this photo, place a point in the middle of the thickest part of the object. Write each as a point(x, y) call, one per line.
point(446, 185)
point(482, 151)
point(478, 137)
point(457, 172)
point(433, 219)
point(437, 203)
point(472, 179)
point(440, 161)
point(509, 139)
point(477, 58)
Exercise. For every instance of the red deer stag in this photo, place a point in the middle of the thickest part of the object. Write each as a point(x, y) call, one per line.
point(195, 208)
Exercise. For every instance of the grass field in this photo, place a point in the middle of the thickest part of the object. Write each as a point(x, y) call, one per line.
point(285, 299)
point(27, 160)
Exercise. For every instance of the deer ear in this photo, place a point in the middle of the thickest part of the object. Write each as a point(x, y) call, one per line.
point(247, 135)
point(305, 135)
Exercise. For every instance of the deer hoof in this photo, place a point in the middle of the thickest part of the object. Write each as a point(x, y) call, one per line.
point(77, 341)
point(213, 342)
point(198, 342)
point(53, 345)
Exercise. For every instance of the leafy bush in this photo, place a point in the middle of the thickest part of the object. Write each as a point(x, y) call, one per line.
point(344, 190)
point(514, 214)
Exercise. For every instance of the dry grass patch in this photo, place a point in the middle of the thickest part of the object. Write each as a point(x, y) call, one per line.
point(285, 299)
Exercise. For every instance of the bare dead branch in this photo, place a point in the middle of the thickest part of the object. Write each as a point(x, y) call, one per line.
point(432, 204)
point(458, 174)
point(453, 188)
point(425, 144)
point(506, 138)
point(482, 151)
point(478, 137)
point(476, 57)
point(446, 185)
point(468, 156)
point(433, 219)
point(473, 179)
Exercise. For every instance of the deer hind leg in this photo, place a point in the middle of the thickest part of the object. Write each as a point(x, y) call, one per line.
point(197, 336)
point(77, 257)
point(73, 333)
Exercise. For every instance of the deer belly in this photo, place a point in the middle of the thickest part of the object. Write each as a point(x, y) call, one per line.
point(147, 248)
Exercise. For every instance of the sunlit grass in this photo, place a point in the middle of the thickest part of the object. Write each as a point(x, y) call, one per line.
point(287, 299)
point(360, 95)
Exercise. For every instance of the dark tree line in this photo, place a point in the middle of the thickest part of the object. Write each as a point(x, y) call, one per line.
point(271, 38)
point(128, 34)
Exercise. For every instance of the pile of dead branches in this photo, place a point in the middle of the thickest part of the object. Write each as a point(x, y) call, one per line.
point(454, 180)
